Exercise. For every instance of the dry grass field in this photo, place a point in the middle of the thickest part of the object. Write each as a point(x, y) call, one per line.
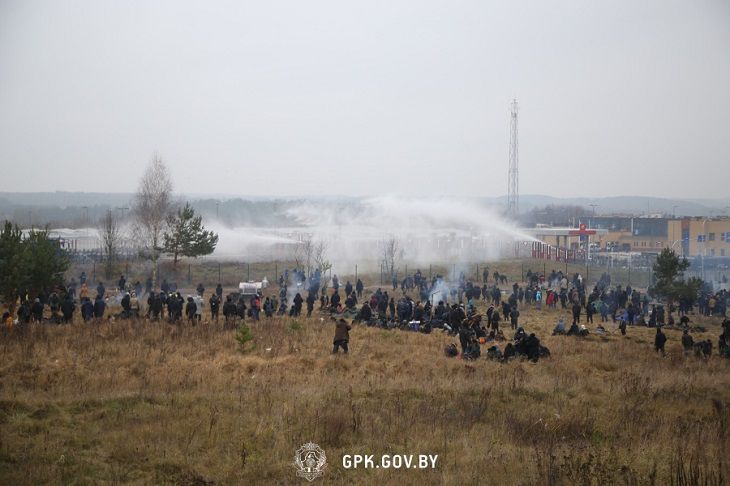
point(151, 403)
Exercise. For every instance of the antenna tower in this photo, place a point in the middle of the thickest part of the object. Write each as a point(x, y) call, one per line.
point(513, 194)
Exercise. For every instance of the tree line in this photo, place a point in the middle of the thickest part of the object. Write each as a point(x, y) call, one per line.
point(32, 261)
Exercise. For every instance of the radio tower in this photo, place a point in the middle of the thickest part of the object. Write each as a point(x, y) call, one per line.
point(513, 194)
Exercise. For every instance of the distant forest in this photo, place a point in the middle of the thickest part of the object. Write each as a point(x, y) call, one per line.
point(232, 212)
point(84, 209)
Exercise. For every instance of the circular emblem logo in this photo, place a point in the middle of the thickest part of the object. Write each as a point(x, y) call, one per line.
point(310, 461)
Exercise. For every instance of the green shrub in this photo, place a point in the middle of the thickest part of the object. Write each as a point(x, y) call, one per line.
point(244, 336)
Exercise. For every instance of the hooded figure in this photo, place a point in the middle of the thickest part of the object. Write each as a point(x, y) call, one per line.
point(191, 309)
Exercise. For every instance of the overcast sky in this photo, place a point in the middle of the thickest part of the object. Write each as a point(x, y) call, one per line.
point(365, 98)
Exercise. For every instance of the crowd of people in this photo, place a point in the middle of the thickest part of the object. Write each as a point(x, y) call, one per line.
point(415, 303)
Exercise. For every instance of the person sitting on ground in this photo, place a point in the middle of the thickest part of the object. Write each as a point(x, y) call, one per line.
point(282, 309)
point(473, 350)
point(559, 329)
point(520, 334)
point(451, 351)
point(573, 331)
point(582, 332)
point(365, 313)
point(601, 330)
point(7, 319)
point(509, 352)
point(532, 347)
point(494, 353)
point(342, 336)
point(706, 348)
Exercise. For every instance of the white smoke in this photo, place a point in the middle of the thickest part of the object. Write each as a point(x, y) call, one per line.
point(428, 230)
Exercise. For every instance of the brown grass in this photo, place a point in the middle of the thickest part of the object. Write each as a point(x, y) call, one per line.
point(150, 403)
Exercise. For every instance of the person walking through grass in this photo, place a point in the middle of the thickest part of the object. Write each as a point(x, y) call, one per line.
point(342, 336)
point(659, 341)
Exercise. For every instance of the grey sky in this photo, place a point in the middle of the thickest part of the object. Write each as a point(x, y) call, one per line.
point(378, 97)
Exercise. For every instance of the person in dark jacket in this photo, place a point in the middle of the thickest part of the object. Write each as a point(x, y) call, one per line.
point(54, 303)
point(365, 314)
point(126, 305)
point(24, 313)
point(310, 303)
point(268, 307)
point(687, 342)
point(334, 301)
point(297, 308)
point(215, 304)
point(514, 315)
point(532, 347)
point(342, 336)
point(99, 307)
point(495, 320)
point(659, 340)
point(155, 306)
point(87, 309)
point(576, 313)
point(190, 309)
point(37, 310)
point(67, 309)
point(359, 287)
point(100, 290)
point(466, 335)
point(230, 312)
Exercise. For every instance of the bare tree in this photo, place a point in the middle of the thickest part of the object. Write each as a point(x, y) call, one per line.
point(152, 204)
point(390, 254)
point(110, 235)
point(308, 253)
point(303, 252)
point(319, 255)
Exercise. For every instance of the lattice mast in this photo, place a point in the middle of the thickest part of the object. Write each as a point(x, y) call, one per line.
point(513, 194)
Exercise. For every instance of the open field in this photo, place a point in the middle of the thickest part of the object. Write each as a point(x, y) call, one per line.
point(135, 402)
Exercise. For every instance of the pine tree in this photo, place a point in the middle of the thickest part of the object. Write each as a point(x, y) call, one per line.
point(31, 262)
point(10, 262)
point(185, 235)
point(669, 278)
